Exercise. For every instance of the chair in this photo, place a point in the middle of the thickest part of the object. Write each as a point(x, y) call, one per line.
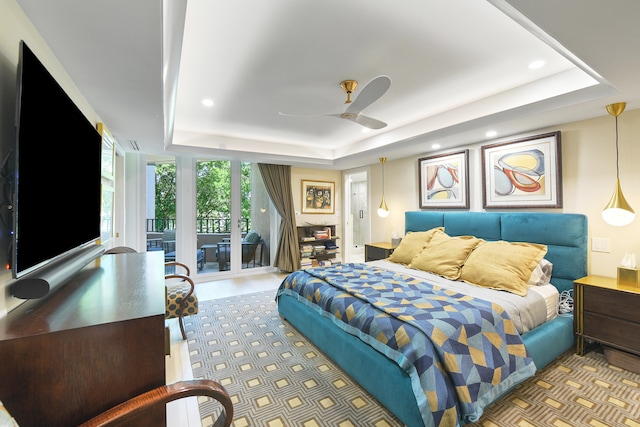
point(250, 253)
point(136, 406)
point(169, 248)
point(181, 297)
point(169, 240)
point(120, 250)
point(162, 395)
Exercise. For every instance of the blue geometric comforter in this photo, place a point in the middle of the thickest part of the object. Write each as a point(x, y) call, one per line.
point(461, 353)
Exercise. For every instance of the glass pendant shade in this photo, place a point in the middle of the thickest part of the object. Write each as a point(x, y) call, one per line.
point(618, 212)
point(383, 210)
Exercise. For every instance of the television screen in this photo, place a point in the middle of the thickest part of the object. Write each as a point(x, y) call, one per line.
point(58, 176)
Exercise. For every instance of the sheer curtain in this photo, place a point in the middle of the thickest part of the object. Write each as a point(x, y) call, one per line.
point(277, 181)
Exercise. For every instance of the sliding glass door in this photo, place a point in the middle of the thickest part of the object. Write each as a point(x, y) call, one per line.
point(224, 214)
point(233, 217)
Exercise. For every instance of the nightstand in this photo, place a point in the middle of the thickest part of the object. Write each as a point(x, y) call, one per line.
point(378, 250)
point(607, 313)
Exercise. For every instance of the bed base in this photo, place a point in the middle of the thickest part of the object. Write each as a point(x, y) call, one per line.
point(566, 237)
point(395, 392)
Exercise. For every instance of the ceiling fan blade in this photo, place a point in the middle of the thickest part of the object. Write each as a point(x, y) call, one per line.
point(300, 115)
point(369, 94)
point(360, 119)
point(368, 122)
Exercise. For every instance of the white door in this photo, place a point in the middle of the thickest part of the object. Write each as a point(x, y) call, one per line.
point(357, 214)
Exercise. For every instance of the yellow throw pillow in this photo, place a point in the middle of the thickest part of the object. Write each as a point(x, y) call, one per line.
point(445, 255)
point(503, 265)
point(411, 244)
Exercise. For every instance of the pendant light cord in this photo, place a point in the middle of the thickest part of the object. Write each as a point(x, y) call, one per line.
point(383, 180)
point(617, 152)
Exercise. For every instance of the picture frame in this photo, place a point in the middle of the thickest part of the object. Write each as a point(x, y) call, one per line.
point(524, 173)
point(443, 181)
point(318, 197)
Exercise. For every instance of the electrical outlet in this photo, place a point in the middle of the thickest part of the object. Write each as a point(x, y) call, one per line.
point(600, 244)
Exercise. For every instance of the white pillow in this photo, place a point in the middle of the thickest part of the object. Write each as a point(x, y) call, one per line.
point(541, 275)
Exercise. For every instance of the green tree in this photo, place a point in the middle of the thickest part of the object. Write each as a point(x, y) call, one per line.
point(245, 189)
point(165, 192)
point(213, 189)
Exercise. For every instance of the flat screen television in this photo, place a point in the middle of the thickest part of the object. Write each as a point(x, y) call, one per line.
point(58, 171)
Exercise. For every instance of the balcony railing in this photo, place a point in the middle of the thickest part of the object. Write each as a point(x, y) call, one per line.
point(203, 225)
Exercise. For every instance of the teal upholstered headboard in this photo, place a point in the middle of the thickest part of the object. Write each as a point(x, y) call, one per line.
point(564, 234)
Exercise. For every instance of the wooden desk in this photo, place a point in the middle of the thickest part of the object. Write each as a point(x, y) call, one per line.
point(95, 342)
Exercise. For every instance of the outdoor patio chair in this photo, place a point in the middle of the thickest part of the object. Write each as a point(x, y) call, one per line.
point(252, 247)
point(169, 248)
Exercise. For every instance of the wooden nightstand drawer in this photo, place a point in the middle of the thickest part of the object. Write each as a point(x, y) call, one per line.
point(375, 251)
point(606, 312)
point(621, 305)
point(612, 331)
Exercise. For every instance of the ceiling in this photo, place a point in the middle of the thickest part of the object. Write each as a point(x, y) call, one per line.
point(458, 69)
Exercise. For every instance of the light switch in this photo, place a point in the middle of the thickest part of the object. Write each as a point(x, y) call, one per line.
point(600, 244)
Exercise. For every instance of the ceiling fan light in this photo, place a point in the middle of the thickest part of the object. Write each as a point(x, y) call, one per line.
point(618, 212)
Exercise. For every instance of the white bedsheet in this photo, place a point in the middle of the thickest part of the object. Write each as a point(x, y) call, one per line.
point(526, 313)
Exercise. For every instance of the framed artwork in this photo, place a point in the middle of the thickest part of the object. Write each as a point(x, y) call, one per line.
point(525, 173)
point(444, 181)
point(318, 197)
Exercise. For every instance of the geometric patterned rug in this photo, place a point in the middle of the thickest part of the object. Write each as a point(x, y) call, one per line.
point(571, 391)
point(277, 378)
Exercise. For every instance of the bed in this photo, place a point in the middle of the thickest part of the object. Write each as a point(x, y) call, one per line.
point(399, 374)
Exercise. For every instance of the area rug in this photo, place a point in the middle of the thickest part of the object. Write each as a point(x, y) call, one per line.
point(277, 378)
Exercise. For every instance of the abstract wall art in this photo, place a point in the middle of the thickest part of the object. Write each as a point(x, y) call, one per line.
point(444, 181)
point(525, 173)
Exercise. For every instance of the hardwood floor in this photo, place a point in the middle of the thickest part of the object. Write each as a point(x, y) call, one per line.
point(185, 412)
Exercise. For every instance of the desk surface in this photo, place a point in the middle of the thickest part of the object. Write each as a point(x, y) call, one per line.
point(95, 295)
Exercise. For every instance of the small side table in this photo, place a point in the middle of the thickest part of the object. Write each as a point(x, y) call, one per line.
point(378, 250)
point(606, 312)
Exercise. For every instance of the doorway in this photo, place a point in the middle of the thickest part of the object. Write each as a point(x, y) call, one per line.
point(357, 220)
point(215, 211)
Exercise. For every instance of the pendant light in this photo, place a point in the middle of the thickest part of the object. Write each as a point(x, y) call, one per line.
point(383, 210)
point(617, 212)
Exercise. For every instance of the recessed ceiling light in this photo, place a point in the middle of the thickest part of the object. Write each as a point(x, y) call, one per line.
point(491, 133)
point(435, 146)
point(537, 64)
point(207, 102)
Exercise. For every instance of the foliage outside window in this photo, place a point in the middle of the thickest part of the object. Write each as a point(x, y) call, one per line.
point(213, 191)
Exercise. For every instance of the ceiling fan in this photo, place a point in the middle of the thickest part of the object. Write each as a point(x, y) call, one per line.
point(368, 95)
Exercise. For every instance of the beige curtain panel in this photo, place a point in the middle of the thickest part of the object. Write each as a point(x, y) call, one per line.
point(277, 181)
